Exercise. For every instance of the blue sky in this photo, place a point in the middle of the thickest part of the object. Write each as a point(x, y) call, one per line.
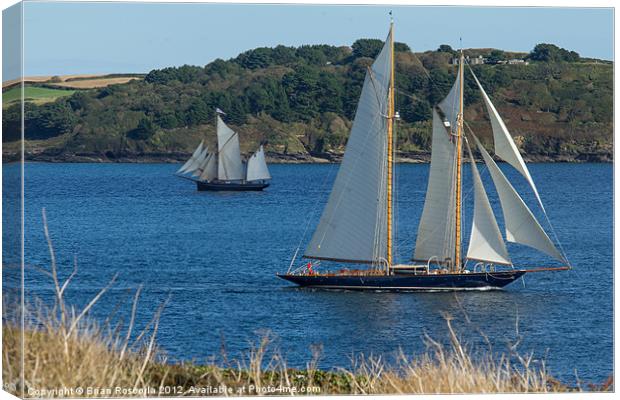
point(69, 38)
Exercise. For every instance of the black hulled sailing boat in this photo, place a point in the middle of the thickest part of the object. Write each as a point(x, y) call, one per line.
point(223, 170)
point(356, 224)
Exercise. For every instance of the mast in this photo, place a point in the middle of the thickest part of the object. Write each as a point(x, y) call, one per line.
point(459, 154)
point(390, 150)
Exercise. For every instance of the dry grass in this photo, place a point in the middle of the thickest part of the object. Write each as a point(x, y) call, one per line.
point(66, 348)
point(95, 83)
point(78, 81)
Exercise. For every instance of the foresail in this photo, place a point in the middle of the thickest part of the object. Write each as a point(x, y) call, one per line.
point(230, 167)
point(257, 167)
point(450, 105)
point(485, 241)
point(521, 225)
point(505, 147)
point(436, 232)
point(353, 225)
point(191, 160)
point(198, 161)
point(209, 172)
point(203, 163)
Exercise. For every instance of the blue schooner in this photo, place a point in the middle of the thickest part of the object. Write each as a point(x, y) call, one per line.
point(356, 226)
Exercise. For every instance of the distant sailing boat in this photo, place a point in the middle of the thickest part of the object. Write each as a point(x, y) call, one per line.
point(223, 170)
point(357, 222)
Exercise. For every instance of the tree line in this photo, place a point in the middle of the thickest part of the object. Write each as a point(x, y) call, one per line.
point(304, 84)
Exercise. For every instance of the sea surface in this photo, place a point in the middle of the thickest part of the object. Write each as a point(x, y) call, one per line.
point(211, 258)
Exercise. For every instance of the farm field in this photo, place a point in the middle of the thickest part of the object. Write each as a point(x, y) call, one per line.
point(36, 94)
point(95, 82)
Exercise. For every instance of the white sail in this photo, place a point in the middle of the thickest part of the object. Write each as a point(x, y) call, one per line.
point(209, 172)
point(191, 160)
point(230, 167)
point(521, 225)
point(450, 105)
point(353, 226)
point(201, 167)
point(198, 161)
point(505, 147)
point(485, 242)
point(436, 232)
point(257, 167)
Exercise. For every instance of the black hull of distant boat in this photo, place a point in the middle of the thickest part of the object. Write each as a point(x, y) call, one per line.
point(408, 282)
point(230, 186)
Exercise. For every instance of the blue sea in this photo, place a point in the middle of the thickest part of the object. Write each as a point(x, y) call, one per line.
point(212, 259)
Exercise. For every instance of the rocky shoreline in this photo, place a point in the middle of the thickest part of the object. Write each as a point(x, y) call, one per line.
point(274, 158)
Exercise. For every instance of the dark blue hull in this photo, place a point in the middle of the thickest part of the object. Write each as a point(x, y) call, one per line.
point(408, 282)
point(229, 187)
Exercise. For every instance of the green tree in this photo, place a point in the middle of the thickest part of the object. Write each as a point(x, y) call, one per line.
point(144, 131)
point(551, 53)
point(367, 48)
point(496, 56)
point(446, 48)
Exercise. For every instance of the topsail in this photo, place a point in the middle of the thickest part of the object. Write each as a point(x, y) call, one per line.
point(450, 105)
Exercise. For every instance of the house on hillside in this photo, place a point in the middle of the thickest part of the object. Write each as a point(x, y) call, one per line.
point(518, 61)
point(470, 60)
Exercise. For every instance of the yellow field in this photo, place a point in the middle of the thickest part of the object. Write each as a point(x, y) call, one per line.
point(84, 81)
point(95, 83)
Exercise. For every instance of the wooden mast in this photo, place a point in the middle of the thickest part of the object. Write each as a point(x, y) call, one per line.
point(459, 154)
point(390, 150)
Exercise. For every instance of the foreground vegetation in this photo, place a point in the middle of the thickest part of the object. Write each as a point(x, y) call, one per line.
point(102, 366)
point(300, 102)
point(68, 354)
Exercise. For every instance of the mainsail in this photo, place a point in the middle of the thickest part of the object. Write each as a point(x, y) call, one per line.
point(436, 232)
point(230, 167)
point(485, 241)
point(257, 167)
point(505, 147)
point(521, 225)
point(353, 226)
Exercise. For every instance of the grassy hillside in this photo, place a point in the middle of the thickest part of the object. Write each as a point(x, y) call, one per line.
point(39, 95)
point(300, 102)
